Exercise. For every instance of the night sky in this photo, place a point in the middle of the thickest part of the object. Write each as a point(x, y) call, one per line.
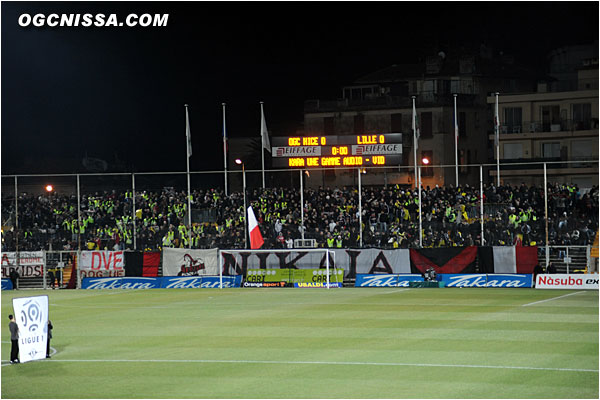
point(118, 93)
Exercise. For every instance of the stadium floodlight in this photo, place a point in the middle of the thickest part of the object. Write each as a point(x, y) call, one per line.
point(49, 188)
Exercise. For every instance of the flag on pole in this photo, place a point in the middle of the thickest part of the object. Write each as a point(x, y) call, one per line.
point(496, 125)
point(263, 131)
point(415, 126)
point(225, 147)
point(455, 128)
point(188, 134)
point(256, 239)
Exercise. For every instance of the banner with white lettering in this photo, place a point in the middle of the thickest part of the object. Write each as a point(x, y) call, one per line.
point(102, 260)
point(189, 262)
point(31, 263)
point(352, 261)
point(31, 315)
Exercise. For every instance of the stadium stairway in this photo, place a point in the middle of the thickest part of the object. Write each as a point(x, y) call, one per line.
point(578, 256)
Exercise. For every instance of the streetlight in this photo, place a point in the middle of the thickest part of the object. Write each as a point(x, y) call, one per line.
point(238, 161)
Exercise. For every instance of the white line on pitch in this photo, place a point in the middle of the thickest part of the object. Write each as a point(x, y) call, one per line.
point(332, 363)
point(553, 298)
point(52, 352)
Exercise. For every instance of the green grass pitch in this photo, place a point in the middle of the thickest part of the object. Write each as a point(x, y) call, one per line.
point(312, 343)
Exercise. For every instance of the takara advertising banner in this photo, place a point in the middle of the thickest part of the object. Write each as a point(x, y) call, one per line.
point(102, 260)
point(31, 263)
point(200, 282)
point(487, 280)
point(184, 282)
point(352, 261)
point(31, 315)
point(567, 281)
point(190, 262)
point(386, 280)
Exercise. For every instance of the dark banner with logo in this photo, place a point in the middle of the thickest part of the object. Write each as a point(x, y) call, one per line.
point(450, 260)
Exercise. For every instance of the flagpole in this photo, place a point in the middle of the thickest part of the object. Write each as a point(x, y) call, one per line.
point(546, 193)
point(455, 140)
point(420, 212)
point(187, 159)
point(262, 142)
point(497, 140)
point(415, 144)
point(482, 243)
point(302, 204)
point(360, 229)
point(245, 207)
point(225, 149)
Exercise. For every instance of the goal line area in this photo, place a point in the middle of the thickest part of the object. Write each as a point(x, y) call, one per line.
point(282, 267)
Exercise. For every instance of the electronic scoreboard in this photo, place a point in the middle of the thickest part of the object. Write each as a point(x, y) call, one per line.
point(337, 151)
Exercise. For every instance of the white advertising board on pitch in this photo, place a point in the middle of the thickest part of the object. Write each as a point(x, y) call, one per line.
point(31, 315)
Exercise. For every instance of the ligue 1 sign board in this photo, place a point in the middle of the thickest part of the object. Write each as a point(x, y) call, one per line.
point(31, 315)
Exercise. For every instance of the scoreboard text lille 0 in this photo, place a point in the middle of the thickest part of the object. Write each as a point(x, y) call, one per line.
point(337, 151)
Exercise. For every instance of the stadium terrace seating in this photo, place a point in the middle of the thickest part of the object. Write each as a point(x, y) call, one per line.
point(450, 217)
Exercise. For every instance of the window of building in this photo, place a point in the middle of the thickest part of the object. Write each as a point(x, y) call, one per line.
point(462, 124)
point(464, 158)
point(582, 150)
point(551, 150)
point(513, 150)
point(328, 126)
point(406, 155)
point(396, 122)
point(359, 124)
point(550, 116)
point(582, 116)
point(398, 89)
point(513, 119)
point(426, 171)
point(426, 125)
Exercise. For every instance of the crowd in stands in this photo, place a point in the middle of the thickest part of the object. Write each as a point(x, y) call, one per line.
point(390, 218)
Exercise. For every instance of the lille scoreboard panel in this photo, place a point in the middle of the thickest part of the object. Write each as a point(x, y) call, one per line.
point(337, 151)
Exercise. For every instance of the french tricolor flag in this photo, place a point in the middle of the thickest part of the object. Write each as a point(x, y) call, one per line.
point(256, 239)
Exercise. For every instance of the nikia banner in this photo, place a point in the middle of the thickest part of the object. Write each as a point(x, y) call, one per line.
point(352, 261)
